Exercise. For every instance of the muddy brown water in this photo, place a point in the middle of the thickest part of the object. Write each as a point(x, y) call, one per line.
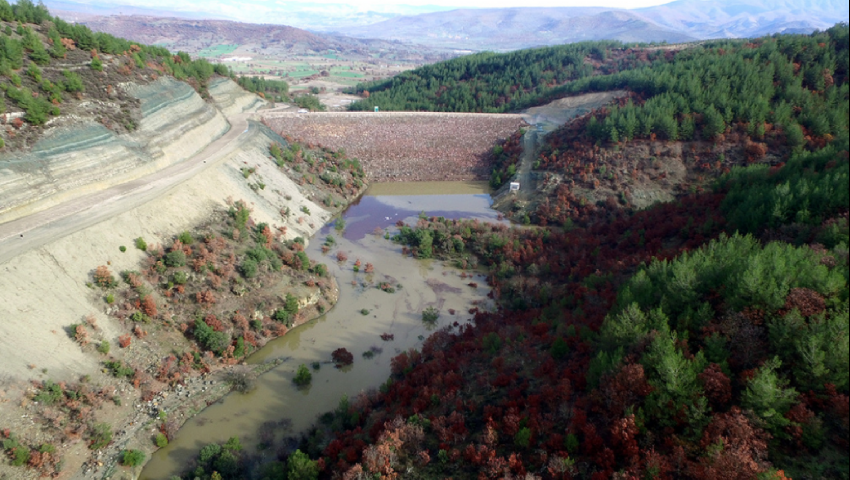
point(277, 404)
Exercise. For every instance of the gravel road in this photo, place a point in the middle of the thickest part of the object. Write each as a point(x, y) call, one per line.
point(33, 231)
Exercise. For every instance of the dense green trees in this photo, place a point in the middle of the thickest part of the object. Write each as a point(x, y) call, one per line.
point(273, 90)
point(783, 81)
point(219, 460)
point(27, 49)
point(483, 82)
point(669, 302)
point(810, 188)
point(310, 102)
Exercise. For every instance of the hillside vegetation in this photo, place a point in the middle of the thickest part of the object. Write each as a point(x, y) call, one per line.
point(494, 83)
point(49, 66)
point(755, 101)
point(706, 337)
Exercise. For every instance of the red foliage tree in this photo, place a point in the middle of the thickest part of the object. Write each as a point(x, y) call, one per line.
point(103, 277)
point(342, 357)
point(205, 298)
point(742, 453)
point(149, 306)
point(717, 386)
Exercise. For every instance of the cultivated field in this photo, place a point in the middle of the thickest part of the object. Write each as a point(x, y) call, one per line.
point(402, 146)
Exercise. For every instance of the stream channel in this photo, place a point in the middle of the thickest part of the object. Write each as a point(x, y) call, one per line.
point(280, 408)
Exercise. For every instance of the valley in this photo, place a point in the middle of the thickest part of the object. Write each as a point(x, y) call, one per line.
point(372, 324)
point(197, 281)
point(305, 60)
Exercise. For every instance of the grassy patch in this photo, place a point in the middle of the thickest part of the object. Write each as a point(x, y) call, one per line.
point(217, 50)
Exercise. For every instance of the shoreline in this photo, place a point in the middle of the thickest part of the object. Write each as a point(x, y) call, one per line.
point(184, 401)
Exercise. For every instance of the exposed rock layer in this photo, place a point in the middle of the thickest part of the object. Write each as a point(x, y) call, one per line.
point(70, 161)
point(43, 290)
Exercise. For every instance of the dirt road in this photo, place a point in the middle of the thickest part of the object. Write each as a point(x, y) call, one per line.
point(543, 120)
point(525, 176)
point(33, 231)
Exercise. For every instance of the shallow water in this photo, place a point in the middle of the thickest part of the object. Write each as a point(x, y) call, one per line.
point(424, 283)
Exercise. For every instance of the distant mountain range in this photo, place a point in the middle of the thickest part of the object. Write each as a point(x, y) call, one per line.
point(513, 28)
point(477, 29)
point(682, 20)
point(747, 18)
point(300, 14)
point(196, 36)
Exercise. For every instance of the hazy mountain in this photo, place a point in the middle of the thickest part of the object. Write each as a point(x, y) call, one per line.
point(512, 28)
point(311, 15)
point(747, 18)
point(193, 35)
point(682, 20)
point(490, 28)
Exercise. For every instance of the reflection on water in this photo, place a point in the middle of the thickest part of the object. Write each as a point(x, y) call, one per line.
point(276, 401)
point(383, 210)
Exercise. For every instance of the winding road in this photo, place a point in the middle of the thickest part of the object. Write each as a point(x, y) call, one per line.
point(40, 228)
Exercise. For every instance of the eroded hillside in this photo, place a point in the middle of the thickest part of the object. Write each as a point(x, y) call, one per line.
point(58, 320)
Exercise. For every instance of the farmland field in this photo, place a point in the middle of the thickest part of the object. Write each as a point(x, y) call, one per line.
point(217, 50)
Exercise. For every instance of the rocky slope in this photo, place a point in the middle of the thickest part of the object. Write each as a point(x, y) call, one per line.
point(48, 288)
point(73, 161)
point(81, 157)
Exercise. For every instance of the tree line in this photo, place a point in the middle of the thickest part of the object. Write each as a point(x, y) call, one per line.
point(23, 47)
point(485, 82)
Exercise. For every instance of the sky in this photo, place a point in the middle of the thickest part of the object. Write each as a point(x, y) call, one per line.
point(508, 3)
point(235, 5)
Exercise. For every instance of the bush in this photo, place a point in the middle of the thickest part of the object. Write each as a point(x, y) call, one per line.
point(240, 380)
point(303, 376)
point(133, 458)
point(342, 356)
point(103, 347)
point(310, 102)
point(161, 440)
point(430, 315)
point(141, 244)
point(175, 258)
point(210, 339)
point(96, 64)
point(49, 394)
point(300, 467)
point(122, 248)
point(185, 238)
point(100, 436)
point(118, 369)
point(249, 268)
point(21, 456)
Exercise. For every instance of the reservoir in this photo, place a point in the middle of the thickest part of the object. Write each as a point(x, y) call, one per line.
point(277, 408)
